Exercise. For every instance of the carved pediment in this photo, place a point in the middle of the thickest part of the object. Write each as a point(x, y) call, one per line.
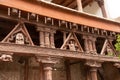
point(19, 35)
point(108, 49)
point(72, 43)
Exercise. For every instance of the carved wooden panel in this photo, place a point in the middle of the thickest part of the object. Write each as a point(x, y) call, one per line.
point(72, 43)
point(19, 35)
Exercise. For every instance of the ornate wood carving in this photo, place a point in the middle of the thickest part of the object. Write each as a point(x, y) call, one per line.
point(72, 43)
point(6, 57)
point(93, 63)
point(19, 35)
point(89, 42)
point(108, 49)
point(117, 65)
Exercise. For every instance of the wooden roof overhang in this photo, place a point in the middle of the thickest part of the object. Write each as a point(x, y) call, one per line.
point(63, 13)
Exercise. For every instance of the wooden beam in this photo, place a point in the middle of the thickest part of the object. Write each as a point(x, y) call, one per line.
point(66, 14)
point(41, 51)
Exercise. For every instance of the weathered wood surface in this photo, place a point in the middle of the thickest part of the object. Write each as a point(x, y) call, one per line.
point(66, 14)
point(36, 50)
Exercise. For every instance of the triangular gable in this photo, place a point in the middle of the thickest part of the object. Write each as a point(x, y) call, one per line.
point(19, 32)
point(72, 43)
point(108, 49)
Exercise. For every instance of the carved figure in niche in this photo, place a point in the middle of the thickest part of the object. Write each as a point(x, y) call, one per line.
point(72, 45)
point(19, 39)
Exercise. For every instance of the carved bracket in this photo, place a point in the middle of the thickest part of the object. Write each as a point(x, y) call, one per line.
point(48, 59)
point(6, 57)
point(117, 65)
point(93, 63)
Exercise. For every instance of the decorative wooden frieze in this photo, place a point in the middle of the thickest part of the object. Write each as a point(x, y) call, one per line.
point(19, 35)
point(72, 43)
point(108, 49)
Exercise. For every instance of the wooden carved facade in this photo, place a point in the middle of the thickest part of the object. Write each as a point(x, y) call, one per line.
point(43, 41)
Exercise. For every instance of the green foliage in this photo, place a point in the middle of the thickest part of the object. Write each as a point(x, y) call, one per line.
point(117, 45)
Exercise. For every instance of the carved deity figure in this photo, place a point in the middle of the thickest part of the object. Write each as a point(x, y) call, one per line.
point(72, 45)
point(19, 39)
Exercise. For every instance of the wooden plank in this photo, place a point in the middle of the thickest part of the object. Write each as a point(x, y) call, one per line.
point(66, 14)
point(36, 50)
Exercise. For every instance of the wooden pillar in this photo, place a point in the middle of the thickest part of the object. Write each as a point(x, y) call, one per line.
point(41, 34)
point(47, 64)
point(47, 39)
point(89, 44)
point(26, 69)
point(48, 71)
point(68, 71)
point(79, 5)
point(93, 72)
point(52, 43)
point(94, 65)
point(102, 6)
point(41, 71)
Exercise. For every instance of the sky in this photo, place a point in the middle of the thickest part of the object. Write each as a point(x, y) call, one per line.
point(113, 8)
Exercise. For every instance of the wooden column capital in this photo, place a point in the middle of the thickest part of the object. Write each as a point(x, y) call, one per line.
point(48, 59)
point(117, 65)
point(92, 63)
point(6, 57)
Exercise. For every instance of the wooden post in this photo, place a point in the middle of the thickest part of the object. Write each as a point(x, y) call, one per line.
point(93, 72)
point(102, 6)
point(41, 71)
point(68, 71)
point(52, 40)
point(47, 39)
point(9, 10)
point(41, 34)
point(86, 44)
point(79, 4)
point(26, 69)
point(93, 68)
point(48, 72)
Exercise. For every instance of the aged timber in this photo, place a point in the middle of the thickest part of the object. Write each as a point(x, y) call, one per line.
point(35, 50)
point(66, 14)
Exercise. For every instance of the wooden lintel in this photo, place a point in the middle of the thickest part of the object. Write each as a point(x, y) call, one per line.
point(41, 51)
point(66, 14)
